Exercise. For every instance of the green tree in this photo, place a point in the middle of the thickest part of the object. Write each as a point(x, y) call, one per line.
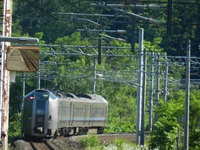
point(194, 138)
point(165, 129)
point(15, 127)
point(164, 133)
point(122, 110)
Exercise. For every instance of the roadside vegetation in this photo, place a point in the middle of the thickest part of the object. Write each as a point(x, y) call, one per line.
point(91, 142)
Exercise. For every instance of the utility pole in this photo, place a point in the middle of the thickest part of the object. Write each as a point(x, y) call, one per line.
point(39, 79)
point(94, 78)
point(157, 82)
point(166, 79)
point(169, 17)
point(5, 83)
point(140, 84)
point(143, 98)
point(24, 86)
point(187, 98)
point(133, 27)
point(99, 49)
point(151, 90)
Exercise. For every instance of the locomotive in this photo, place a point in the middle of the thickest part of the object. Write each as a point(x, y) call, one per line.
point(46, 114)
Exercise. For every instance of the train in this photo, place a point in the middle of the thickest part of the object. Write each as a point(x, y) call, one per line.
point(49, 114)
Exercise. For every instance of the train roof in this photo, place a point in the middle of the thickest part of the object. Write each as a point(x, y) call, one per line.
point(89, 97)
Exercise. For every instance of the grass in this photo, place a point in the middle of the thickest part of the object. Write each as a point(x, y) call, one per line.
point(91, 142)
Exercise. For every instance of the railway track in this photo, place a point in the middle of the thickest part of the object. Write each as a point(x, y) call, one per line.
point(43, 145)
point(69, 143)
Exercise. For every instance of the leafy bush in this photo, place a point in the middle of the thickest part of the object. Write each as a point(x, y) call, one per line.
point(164, 134)
point(126, 127)
point(119, 143)
point(89, 141)
point(15, 127)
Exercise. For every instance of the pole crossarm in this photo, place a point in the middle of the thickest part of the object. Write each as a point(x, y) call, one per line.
point(140, 17)
point(182, 59)
point(108, 31)
point(78, 50)
point(154, 6)
point(91, 15)
point(88, 20)
point(114, 38)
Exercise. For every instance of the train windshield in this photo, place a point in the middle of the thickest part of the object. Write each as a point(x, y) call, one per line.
point(44, 95)
point(52, 96)
point(41, 95)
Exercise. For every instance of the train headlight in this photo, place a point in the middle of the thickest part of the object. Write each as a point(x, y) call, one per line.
point(31, 98)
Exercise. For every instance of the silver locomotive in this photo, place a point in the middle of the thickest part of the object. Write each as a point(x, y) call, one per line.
point(45, 114)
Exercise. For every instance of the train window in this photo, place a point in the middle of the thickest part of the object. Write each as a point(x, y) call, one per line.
point(44, 95)
point(40, 95)
point(52, 96)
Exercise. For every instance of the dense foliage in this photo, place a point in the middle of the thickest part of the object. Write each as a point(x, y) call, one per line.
point(54, 22)
point(169, 128)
